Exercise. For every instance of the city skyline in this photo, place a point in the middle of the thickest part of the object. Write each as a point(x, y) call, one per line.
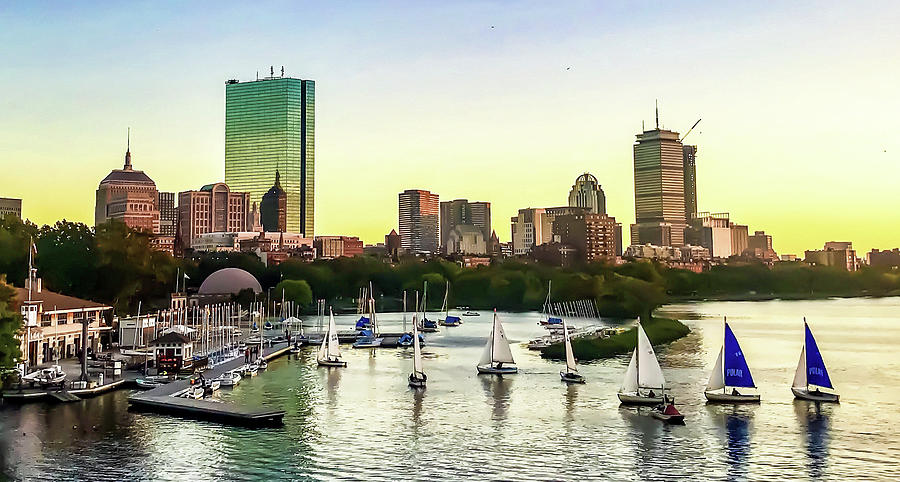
point(774, 85)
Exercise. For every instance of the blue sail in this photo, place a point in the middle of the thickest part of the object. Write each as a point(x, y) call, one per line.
point(737, 373)
point(816, 374)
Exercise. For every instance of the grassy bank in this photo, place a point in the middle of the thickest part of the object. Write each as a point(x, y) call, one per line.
point(659, 331)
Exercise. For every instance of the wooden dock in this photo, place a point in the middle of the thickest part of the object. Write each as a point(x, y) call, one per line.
point(163, 400)
point(70, 395)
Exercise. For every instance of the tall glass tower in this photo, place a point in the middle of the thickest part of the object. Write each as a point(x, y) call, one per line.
point(270, 125)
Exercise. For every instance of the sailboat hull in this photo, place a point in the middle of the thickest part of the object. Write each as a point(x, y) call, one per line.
point(815, 396)
point(449, 323)
point(634, 399)
point(669, 419)
point(571, 377)
point(332, 363)
point(491, 370)
point(718, 397)
point(416, 382)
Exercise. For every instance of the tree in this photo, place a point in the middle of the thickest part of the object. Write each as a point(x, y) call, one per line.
point(10, 326)
point(297, 291)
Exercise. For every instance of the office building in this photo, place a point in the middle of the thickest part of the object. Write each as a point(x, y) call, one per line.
point(593, 235)
point(759, 246)
point(337, 246)
point(884, 259)
point(587, 193)
point(273, 211)
point(168, 214)
point(419, 214)
point(212, 209)
point(129, 196)
point(10, 207)
point(690, 181)
point(839, 254)
point(462, 212)
point(740, 239)
point(713, 232)
point(528, 229)
point(659, 199)
point(269, 127)
point(466, 239)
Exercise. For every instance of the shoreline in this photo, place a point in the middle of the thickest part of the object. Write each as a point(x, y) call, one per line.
point(660, 331)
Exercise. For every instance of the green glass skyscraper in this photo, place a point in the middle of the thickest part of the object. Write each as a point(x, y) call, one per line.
point(270, 125)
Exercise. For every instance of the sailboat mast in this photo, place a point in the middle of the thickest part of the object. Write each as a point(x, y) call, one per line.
point(637, 359)
point(723, 353)
point(806, 368)
point(493, 328)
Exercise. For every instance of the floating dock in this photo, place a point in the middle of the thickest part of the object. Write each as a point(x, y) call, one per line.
point(70, 395)
point(163, 399)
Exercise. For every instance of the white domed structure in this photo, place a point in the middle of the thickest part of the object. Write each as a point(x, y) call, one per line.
point(229, 281)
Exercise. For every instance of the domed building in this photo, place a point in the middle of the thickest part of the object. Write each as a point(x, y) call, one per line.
point(273, 208)
point(587, 193)
point(129, 196)
point(229, 281)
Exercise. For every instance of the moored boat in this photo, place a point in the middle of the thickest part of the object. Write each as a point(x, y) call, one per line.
point(448, 319)
point(471, 313)
point(497, 357)
point(229, 379)
point(644, 383)
point(46, 376)
point(731, 370)
point(811, 371)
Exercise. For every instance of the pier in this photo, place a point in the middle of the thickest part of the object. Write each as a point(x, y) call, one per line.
point(164, 399)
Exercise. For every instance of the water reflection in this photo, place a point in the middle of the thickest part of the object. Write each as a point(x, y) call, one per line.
point(332, 384)
point(497, 388)
point(645, 438)
point(736, 422)
point(815, 419)
point(571, 401)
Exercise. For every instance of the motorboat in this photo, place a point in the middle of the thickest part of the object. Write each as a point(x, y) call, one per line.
point(471, 313)
point(329, 354)
point(811, 371)
point(644, 383)
point(46, 376)
point(497, 357)
point(146, 384)
point(252, 370)
point(543, 342)
point(731, 370)
point(268, 325)
point(668, 413)
point(229, 379)
point(570, 375)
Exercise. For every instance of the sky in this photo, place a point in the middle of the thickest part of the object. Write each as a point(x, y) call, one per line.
point(506, 102)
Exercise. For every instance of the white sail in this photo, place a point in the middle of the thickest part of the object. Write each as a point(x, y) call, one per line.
point(717, 377)
point(650, 375)
point(486, 353)
point(501, 353)
point(629, 383)
point(800, 374)
point(334, 348)
point(417, 349)
point(323, 350)
point(446, 294)
point(570, 357)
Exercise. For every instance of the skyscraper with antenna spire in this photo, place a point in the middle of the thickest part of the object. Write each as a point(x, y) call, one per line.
point(269, 128)
point(128, 195)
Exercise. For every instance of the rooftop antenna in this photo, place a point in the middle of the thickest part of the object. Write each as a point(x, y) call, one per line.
point(282, 71)
point(657, 114)
point(128, 151)
point(272, 70)
point(257, 75)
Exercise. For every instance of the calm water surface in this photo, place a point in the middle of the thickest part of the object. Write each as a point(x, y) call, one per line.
point(364, 423)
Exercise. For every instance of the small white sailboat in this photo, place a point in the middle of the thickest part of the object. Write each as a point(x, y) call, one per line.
point(427, 325)
point(644, 383)
point(448, 319)
point(570, 375)
point(417, 378)
point(329, 354)
point(811, 371)
point(731, 370)
point(497, 357)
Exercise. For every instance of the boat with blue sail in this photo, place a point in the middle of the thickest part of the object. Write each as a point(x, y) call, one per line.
point(811, 371)
point(731, 370)
point(448, 319)
point(426, 325)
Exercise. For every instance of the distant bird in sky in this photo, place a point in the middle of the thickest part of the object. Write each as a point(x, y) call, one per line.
point(568, 68)
point(492, 26)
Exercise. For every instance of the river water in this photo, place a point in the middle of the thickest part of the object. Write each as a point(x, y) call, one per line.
point(364, 423)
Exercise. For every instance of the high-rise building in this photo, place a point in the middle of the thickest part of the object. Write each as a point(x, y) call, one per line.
point(129, 196)
point(759, 245)
point(269, 127)
point(212, 209)
point(419, 215)
point(168, 214)
point(690, 182)
point(740, 239)
point(593, 235)
point(587, 193)
point(461, 212)
point(10, 206)
point(273, 212)
point(713, 232)
point(658, 188)
point(528, 229)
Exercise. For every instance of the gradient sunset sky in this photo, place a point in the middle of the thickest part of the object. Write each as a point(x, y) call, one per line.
point(492, 101)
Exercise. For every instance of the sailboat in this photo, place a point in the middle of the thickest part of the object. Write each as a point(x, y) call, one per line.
point(368, 338)
point(731, 370)
point(417, 378)
point(571, 374)
point(497, 353)
point(644, 383)
point(329, 354)
point(427, 326)
point(448, 319)
point(811, 371)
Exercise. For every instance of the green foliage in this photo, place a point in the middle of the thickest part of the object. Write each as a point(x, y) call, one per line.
point(659, 330)
point(297, 291)
point(14, 238)
point(10, 325)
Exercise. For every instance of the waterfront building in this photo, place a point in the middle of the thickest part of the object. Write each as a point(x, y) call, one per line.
point(462, 212)
point(392, 243)
point(273, 212)
point(466, 239)
point(10, 207)
point(337, 246)
point(884, 259)
point(212, 209)
point(173, 352)
point(129, 196)
point(690, 181)
point(593, 235)
point(659, 198)
point(839, 254)
point(587, 193)
point(168, 213)
point(740, 238)
point(419, 221)
point(53, 324)
point(269, 127)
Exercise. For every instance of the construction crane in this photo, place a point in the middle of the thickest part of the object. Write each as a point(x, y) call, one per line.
point(689, 130)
